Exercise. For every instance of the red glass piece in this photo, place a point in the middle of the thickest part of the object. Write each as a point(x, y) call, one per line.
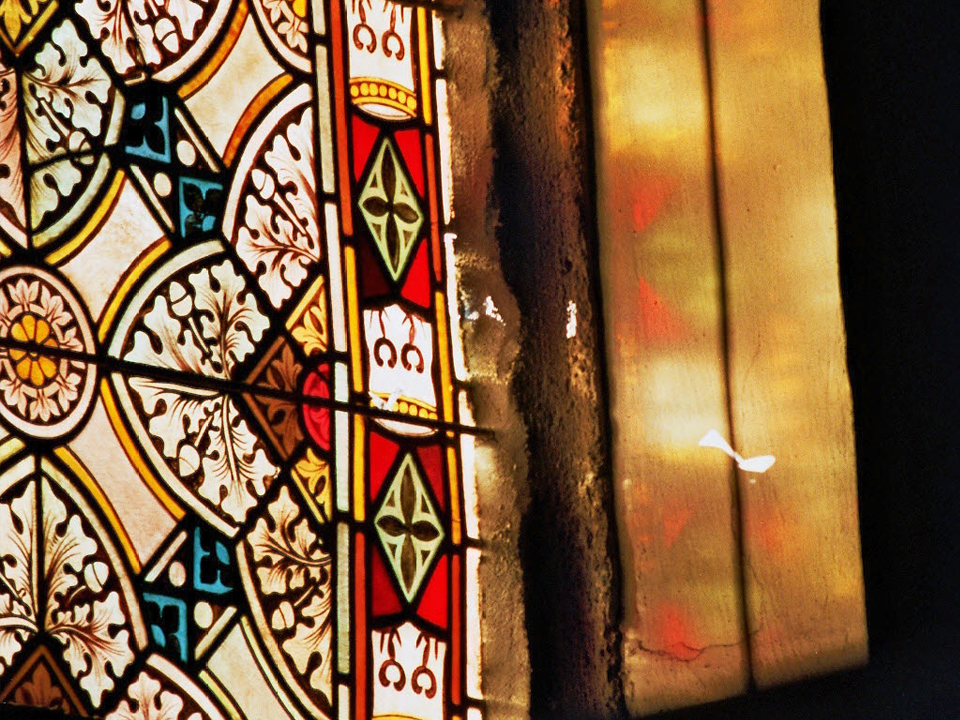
point(408, 141)
point(360, 621)
point(317, 419)
point(384, 598)
point(364, 138)
point(434, 605)
point(431, 457)
point(383, 452)
point(416, 286)
point(456, 622)
point(373, 283)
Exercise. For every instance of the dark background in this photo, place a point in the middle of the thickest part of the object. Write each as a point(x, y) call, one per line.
point(893, 72)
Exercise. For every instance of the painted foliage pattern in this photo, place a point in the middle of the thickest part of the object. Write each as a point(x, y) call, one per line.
point(231, 474)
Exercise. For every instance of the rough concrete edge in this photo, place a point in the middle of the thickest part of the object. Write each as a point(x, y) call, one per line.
point(490, 348)
point(544, 181)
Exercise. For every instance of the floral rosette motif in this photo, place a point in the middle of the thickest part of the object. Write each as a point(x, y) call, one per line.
point(44, 391)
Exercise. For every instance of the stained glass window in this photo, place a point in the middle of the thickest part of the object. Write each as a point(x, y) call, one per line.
point(232, 477)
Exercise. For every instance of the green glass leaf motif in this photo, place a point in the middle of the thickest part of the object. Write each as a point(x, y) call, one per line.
point(391, 209)
point(409, 528)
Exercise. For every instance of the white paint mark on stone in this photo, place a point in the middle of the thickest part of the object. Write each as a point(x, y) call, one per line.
point(571, 320)
point(758, 464)
point(490, 309)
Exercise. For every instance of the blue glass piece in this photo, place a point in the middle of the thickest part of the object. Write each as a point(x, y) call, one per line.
point(201, 205)
point(169, 626)
point(148, 129)
point(209, 565)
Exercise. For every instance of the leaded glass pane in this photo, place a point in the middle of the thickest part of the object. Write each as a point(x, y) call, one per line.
point(230, 456)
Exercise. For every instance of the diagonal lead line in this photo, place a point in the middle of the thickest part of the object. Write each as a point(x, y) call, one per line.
point(128, 368)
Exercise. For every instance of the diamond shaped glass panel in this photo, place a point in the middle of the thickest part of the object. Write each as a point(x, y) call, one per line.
point(390, 208)
point(409, 528)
